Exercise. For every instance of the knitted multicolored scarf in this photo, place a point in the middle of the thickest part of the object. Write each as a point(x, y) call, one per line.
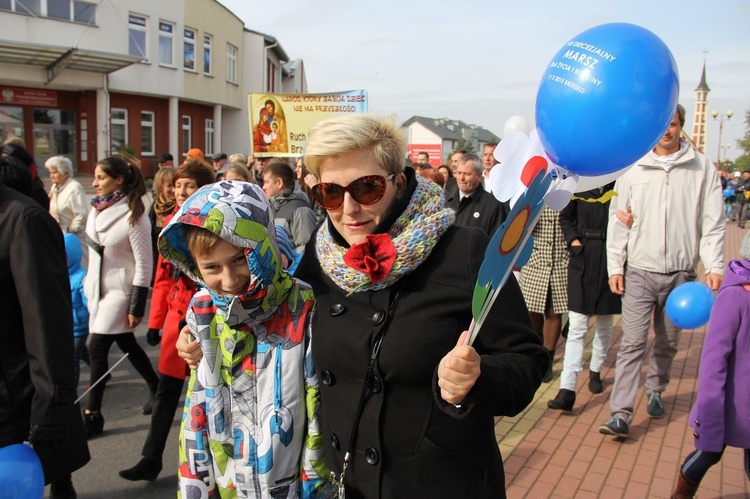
point(101, 203)
point(414, 234)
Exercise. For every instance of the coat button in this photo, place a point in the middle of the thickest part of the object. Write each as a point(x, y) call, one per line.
point(376, 386)
point(334, 441)
point(378, 317)
point(695, 434)
point(336, 309)
point(327, 377)
point(697, 423)
point(371, 456)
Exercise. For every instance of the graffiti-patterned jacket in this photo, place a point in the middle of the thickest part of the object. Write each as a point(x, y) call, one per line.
point(250, 423)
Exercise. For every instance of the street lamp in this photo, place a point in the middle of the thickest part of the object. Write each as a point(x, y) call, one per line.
point(728, 115)
point(724, 147)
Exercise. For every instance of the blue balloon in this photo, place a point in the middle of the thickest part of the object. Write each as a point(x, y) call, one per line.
point(689, 305)
point(606, 98)
point(728, 192)
point(21, 473)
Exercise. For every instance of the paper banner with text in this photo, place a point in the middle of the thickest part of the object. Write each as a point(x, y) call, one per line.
point(279, 123)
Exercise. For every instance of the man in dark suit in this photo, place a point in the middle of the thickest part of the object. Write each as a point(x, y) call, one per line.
point(474, 206)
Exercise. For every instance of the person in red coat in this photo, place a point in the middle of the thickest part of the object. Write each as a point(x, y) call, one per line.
point(171, 295)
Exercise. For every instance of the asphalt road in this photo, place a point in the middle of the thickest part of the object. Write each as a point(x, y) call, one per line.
point(125, 430)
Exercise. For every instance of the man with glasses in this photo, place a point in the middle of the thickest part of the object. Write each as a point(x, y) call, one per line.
point(474, 206)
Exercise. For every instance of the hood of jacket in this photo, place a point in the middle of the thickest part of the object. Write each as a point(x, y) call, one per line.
point(289, 194)
point(737, 274)
point(239, 213)
point(73, 252)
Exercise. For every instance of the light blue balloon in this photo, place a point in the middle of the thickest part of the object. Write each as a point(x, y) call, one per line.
point(689, 305)
point(21, 473)
point(606, 98)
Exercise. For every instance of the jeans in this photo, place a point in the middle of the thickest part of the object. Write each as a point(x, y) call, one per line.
point(99, 350)
point(573, 360)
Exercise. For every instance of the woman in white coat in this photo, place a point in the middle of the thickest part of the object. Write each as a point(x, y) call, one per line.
point(67, 200)
point(119, 274)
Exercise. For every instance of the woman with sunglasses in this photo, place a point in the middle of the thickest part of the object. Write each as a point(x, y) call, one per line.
point(401, 394)
point(406, 408)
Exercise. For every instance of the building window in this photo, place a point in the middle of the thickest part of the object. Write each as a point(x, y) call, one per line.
point(137, 27)
point(209, 137)
point(68, 10)
point(231, 63)
point(188, 59)
point(186, 134)
point(166, 31)
point(11, 122)
point(119, 128)
point(84, 12)
point(207, 54)
point(147, 133)
point(29, 7)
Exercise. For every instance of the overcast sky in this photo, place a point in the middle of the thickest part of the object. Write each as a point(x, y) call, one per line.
point(481, 61)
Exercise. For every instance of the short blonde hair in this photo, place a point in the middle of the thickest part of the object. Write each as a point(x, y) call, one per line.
point(238, 158)
point(201, 242)
point(334, 137)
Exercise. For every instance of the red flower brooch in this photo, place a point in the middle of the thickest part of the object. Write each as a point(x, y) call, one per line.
point(374, 257)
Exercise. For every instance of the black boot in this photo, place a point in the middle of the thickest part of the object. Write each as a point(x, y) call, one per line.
point(548, 376)
point(62, 489)
point(595, 382)
point(564, 401)
point(146, 469)
point(93, 424)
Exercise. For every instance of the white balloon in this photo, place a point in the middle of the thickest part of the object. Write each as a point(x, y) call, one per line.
point(516, 123)
point(588, 183)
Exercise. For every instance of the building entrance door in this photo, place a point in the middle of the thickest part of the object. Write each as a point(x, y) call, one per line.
point(54, 135)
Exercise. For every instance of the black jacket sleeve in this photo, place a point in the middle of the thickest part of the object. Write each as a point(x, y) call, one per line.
point(43, 289)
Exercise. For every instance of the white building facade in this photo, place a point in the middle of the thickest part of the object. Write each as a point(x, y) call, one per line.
point(86, 79)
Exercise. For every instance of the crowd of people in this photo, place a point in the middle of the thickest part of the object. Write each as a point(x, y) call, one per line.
point(388, 400)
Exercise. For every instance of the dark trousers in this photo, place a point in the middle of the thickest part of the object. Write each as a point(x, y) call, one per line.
point(80, 353)
point(698, 462)
point(99, 345)
point(166, 399)
point(742, 215)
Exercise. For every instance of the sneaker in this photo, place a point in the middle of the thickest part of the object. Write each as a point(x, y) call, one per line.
point(615, 426)
point(655, 408)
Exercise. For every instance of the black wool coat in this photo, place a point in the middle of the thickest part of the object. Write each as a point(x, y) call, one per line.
point(482, 211)
point(588, 286)
point(36, 334)
point(411, 443)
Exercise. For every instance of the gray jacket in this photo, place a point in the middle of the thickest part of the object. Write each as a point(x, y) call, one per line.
point(293, 206)
point(677, 217)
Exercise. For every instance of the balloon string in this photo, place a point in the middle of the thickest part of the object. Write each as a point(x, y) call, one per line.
point(100, 379)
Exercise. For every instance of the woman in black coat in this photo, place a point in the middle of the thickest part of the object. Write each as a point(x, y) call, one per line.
point(388, 264)
point(584, 225)
point(36, 360)
point(406, 408)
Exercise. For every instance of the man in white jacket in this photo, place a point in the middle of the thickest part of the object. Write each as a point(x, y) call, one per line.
point(667, 215)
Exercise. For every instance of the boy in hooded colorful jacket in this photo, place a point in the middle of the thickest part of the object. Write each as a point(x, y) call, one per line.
point(76, 273)
point(721, 414)
point(250, 426)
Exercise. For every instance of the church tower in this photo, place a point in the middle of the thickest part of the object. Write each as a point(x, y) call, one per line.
point(699, 118)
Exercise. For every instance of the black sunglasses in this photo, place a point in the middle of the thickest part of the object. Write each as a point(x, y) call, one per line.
point(365, 190)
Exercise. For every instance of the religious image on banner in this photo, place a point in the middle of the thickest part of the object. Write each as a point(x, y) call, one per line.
point(279, 123)
point(269, 132)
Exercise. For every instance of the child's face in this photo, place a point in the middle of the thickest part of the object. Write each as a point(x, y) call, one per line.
point(224, 270)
